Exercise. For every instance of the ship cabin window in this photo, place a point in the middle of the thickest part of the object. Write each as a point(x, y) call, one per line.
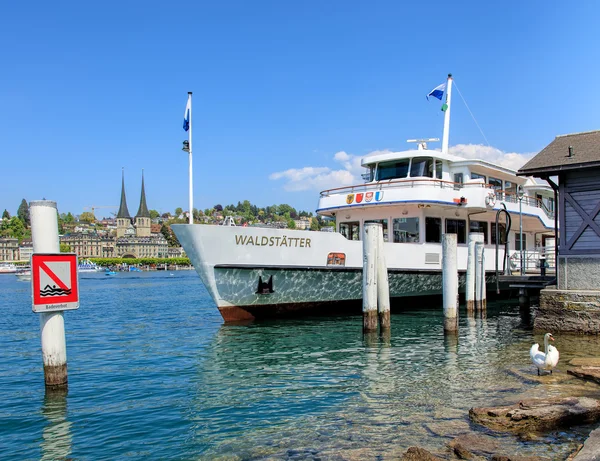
point(393, 170)
point(438, 169)
point(384, 223)
point(477, 176)
point(502, 231)
point(480, 227)
point(458, 227)
point(350, 230)
point(433, 230)
point(510, 191)
point(421, 166)
point(495, 183)
point(406, 230)
point(458, 180)
point(518, 242)
point(369, 174)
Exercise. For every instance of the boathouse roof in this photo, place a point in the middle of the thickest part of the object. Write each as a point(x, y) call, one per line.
point(566, 152)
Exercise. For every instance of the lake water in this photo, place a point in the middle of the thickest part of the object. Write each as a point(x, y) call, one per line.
point(154, 374)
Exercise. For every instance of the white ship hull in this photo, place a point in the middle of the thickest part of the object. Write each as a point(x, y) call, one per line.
point(231, 261)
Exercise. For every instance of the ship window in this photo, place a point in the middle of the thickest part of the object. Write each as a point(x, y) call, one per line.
point(433, 230)
point(495, 183)
point(406, 230)
point(392, 170)
point(518, 242)
point(477, 176)
point(481, 227)
point(421, 166)
point(458, 227)
point(438, 169)
point(502, 230)
point(350, 230)
point(510, 187)
point(384, 223)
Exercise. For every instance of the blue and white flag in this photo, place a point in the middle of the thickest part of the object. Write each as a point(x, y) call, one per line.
point(437, 92)
point(186, 115)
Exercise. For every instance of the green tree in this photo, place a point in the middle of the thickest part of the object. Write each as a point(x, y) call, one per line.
point(291, 224)
point(69, 218)
point(6, 214)
point(87, 216)
point(178, 212)
point(154, 214)
point(16, 228)
point(314, 225)
point(23, 213)
point(60, 221)
point(65, 248)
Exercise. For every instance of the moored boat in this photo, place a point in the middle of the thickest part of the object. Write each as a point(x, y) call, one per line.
point(88, 266)
point(7, 268)
point(24, 274)
point(417, 195)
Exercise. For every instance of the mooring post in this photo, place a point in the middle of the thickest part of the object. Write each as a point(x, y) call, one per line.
point(370, 277)
point(383, 284)
point(523, 297)
point(470, 279)
point(480, 287)
point(44, 234)
point(450, 282)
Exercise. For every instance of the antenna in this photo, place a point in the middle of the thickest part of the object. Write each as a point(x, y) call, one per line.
point(422, 143)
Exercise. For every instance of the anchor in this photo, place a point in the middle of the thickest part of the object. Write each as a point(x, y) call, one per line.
point(264, 288)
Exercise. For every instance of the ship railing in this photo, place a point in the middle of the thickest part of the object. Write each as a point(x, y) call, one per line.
point(512, 197)
point(401, 183)
point(540, 260)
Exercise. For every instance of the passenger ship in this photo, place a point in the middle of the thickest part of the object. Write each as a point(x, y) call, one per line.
point(416, 195)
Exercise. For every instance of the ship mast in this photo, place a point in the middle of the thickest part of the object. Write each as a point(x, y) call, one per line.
point(446, 109)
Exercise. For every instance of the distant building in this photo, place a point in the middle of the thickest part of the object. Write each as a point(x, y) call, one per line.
point(134, 235)
point(302, 223)
point(90, 245)
point(25, 250)
point(9, 249)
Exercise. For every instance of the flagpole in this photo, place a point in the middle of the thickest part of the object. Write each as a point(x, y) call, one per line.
point(447, 115)
point(191, 216)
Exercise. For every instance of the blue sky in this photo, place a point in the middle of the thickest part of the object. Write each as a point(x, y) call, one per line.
point(287, 95)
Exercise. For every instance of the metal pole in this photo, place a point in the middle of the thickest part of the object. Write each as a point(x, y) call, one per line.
point(446, 133)
point(44, 234)
point(191, 217)
point(521, 234)
point(450, 282)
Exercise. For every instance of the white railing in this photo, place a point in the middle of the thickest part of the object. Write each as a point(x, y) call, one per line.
point(401, 183)
point(533, 260)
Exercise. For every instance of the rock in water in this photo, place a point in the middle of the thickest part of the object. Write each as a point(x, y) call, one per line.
point(538, 415)
point(419, 454)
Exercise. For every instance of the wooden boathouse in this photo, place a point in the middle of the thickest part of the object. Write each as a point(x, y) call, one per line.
point(571, 165)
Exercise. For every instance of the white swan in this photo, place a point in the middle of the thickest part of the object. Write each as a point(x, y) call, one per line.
point(544, 360)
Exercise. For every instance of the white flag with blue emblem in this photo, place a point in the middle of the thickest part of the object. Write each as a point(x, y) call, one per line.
point(186, 115)
point(437, 92)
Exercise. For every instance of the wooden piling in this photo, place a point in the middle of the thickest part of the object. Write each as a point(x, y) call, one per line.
point(470, 279)
point(44, 234)
point(480, 286)
point(450, 282)
point(370, 277)
point(383, 284)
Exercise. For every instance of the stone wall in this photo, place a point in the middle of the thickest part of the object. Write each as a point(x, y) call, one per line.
point(578, 273)
point(568, 311)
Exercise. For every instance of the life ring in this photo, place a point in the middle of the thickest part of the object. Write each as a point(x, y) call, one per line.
point(490, 200)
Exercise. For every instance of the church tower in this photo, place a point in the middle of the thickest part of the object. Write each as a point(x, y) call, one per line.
point(123, 218)
point(143, 223)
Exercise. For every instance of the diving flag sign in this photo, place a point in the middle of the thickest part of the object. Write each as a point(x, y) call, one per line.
point(54, 282)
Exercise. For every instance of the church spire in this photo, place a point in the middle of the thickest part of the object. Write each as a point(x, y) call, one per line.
point(123, 211)
point(143, 209)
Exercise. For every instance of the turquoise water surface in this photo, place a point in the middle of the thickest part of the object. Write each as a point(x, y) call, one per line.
point(154, 374)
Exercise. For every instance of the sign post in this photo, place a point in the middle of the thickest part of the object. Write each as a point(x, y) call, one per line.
point(54, 282)
point(54, 289)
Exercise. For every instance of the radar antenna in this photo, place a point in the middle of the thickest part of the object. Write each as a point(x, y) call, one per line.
point(422, 143)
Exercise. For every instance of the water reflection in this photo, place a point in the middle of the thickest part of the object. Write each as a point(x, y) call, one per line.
point(56, 441)
point(320, 384)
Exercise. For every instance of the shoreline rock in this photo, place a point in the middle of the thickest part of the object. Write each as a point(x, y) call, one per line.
point(538, 415)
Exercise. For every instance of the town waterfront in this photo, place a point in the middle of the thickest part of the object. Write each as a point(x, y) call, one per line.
point(155, 374)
